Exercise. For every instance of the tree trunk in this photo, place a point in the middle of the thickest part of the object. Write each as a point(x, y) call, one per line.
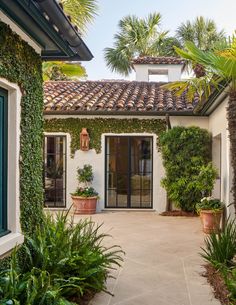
point(231, 113)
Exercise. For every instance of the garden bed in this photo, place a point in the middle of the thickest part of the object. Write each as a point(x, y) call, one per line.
point(216, 280)
point(179, 213)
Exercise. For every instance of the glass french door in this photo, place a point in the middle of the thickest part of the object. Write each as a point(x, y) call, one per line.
point(3, 161)
point(55, 171)
point(129, 172)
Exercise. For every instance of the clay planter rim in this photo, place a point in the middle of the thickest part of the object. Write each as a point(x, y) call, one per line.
point(82, 197)
point(212, 211)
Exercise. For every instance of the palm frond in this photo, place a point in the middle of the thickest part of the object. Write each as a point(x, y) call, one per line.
point(82, 12)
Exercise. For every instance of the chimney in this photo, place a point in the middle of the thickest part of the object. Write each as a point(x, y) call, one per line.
point(171, 67)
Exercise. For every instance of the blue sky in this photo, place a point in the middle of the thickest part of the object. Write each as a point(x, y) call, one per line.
point(100, 33)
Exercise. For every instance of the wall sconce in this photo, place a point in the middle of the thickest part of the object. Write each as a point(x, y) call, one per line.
point(84, 140)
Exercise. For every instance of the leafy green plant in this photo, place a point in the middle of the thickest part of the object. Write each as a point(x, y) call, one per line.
point(85, 176)
point(209, 203)
point(186, 156)
point(74, 255)
point(220, 248)
point(34, 287)
point(98, 126)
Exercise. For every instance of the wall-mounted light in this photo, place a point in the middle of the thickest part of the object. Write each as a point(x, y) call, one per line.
point(84, 139)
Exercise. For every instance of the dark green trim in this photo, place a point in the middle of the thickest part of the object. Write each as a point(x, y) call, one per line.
point(4, 156)
point(55, 46)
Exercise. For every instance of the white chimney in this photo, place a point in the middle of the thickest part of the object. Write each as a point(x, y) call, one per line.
point(171, 67)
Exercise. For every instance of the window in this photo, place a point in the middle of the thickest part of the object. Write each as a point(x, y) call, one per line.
point(3, 161)
point(55, 171)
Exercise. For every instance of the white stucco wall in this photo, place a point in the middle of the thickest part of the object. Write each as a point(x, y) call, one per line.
point(98, 160)
point(218, 127)
point(9, 241)
point(143, 71)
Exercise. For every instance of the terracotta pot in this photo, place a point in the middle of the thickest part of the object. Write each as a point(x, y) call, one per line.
point(210, 220)
point(84, 205)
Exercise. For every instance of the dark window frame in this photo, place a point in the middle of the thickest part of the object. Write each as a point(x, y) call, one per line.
point(129, 174)
point(4, 215)
point(64, 169)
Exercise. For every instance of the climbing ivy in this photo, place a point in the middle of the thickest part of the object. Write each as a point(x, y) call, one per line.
point(97, 126)
point(20, 64)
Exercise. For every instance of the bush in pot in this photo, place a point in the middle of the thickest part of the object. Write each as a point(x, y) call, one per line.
point(85, 197)
point(210, 210)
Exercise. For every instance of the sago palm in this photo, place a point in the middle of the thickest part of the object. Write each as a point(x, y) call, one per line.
point(136, 37)
point(220, 66)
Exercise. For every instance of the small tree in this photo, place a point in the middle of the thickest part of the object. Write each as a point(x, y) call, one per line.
point(189, 173)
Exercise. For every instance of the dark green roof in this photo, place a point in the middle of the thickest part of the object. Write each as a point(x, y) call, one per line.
point(46, 23)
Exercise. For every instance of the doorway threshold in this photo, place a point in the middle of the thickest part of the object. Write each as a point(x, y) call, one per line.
point(128, 210)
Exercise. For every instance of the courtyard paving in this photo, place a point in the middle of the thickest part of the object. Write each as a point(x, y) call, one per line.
point(162, 265)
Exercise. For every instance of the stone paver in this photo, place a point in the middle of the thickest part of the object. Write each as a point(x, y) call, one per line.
point(162, 265)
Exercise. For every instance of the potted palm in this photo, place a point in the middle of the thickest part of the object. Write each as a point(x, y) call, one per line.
point(210, 210)
point(85, 197)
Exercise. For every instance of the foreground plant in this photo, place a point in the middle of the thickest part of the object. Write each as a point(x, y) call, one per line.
point(62, 262)
point(220, 248)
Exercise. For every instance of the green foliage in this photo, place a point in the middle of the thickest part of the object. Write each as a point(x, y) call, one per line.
point(81, 12)
point(202, 32)
point(99, 126)
point(85, 192)
point(138, 37)
point(53, 70)
point(220, 248)
point(85, 174)
point(20, 64)
point(186, 155)
point(62, 261)
point(208, 203)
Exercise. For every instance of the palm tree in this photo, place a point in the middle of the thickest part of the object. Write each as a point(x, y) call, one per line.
point(81, 13)
point(137, 37)
point(202, 32)
point(63, 71)
point(219, 66)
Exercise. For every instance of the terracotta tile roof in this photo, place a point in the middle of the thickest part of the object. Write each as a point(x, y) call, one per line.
point(108, 96)
point(161, 60)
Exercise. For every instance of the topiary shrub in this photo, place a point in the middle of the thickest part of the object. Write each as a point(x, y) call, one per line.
point(186, 156)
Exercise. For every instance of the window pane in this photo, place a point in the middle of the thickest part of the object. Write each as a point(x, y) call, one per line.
point(54, 170)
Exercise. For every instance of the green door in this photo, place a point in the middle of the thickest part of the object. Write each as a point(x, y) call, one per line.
point(3, 161)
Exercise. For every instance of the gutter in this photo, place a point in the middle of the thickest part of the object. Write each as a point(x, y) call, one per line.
point(60, 20)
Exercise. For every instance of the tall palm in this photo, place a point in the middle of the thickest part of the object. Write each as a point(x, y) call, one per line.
point(136, 37)
point(202, 32)
point(219, 66)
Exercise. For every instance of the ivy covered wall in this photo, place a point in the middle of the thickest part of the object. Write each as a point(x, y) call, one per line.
point(98, 126)
point(20, 64)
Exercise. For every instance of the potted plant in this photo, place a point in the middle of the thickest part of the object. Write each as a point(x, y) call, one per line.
point(85, 197)
point(210, 210)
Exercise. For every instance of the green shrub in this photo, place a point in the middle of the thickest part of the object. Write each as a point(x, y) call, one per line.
point(60, 261)
point(186, 156)
point(220, 248)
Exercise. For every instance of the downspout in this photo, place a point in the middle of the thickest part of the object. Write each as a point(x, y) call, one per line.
point(168, 127)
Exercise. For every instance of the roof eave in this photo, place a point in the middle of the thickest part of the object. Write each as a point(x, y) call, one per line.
point(31, 9)
point(118, 113)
